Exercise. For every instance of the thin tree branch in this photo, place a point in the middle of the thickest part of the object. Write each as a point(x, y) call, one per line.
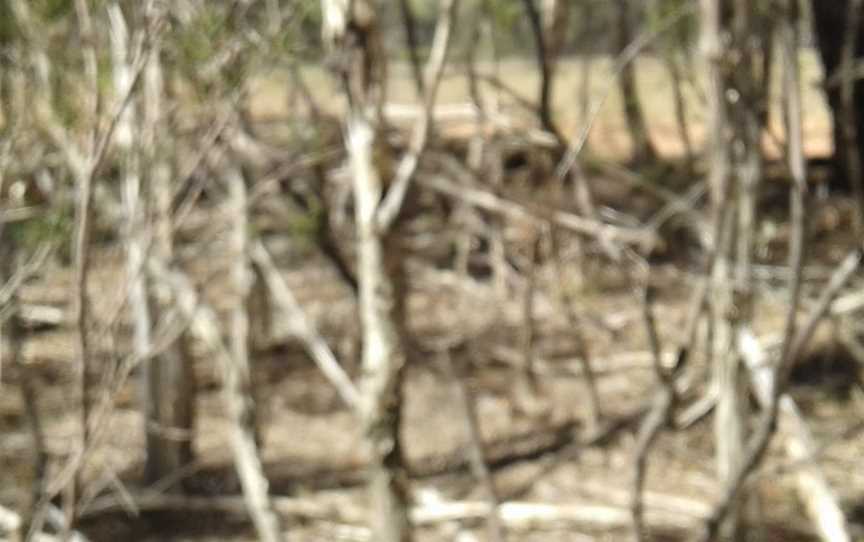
point(392, 204)
point(758, 443)
point(299, 325)
point(498, 204)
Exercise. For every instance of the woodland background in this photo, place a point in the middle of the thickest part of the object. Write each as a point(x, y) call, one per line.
point(417, 270)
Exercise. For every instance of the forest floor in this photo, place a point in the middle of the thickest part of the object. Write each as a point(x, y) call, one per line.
point(541, 451)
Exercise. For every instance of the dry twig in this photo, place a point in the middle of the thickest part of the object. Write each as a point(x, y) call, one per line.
point(758, 443)
point(659, 416)
point(298, 324)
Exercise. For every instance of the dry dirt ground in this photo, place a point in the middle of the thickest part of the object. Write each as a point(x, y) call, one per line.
point(312, 445)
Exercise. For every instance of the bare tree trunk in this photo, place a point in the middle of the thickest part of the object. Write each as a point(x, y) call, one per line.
point(81, 254)
point(135, 233)
point(643, 148)
point(729, 436)
point(233, 364)
point(83, 152)
point(815, 492)
point(379, 271)
point(733, 74)
point(352, 31)
point(159, 441)
point(747, 122)
point(167, 379)
point(238, 382)
point(839, 29)
point(381, 301)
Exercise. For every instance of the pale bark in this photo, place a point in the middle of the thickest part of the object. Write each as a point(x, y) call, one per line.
point(757, 445)
point(820, 502)
point(395, 196)
point(728, 422)
point(351, 30)
point(84, 169)
point(204, 326)
point(383, 348)
point(134, 233)
point(167, 379)
point(238, 375)
point(294, 322)
point(83, 157)
point(814, 491)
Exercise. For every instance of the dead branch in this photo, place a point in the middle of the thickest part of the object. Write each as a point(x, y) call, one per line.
point(476, 452)
point(572, 366)
point(537, 215)
point(758, 443)
point(187, 184)
point(813, 489)
point(392, 203)
point(527, 389)
point(589, 372)
point(237, 372)
point(205, 327)
point(659, 416)
point(297, 324)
